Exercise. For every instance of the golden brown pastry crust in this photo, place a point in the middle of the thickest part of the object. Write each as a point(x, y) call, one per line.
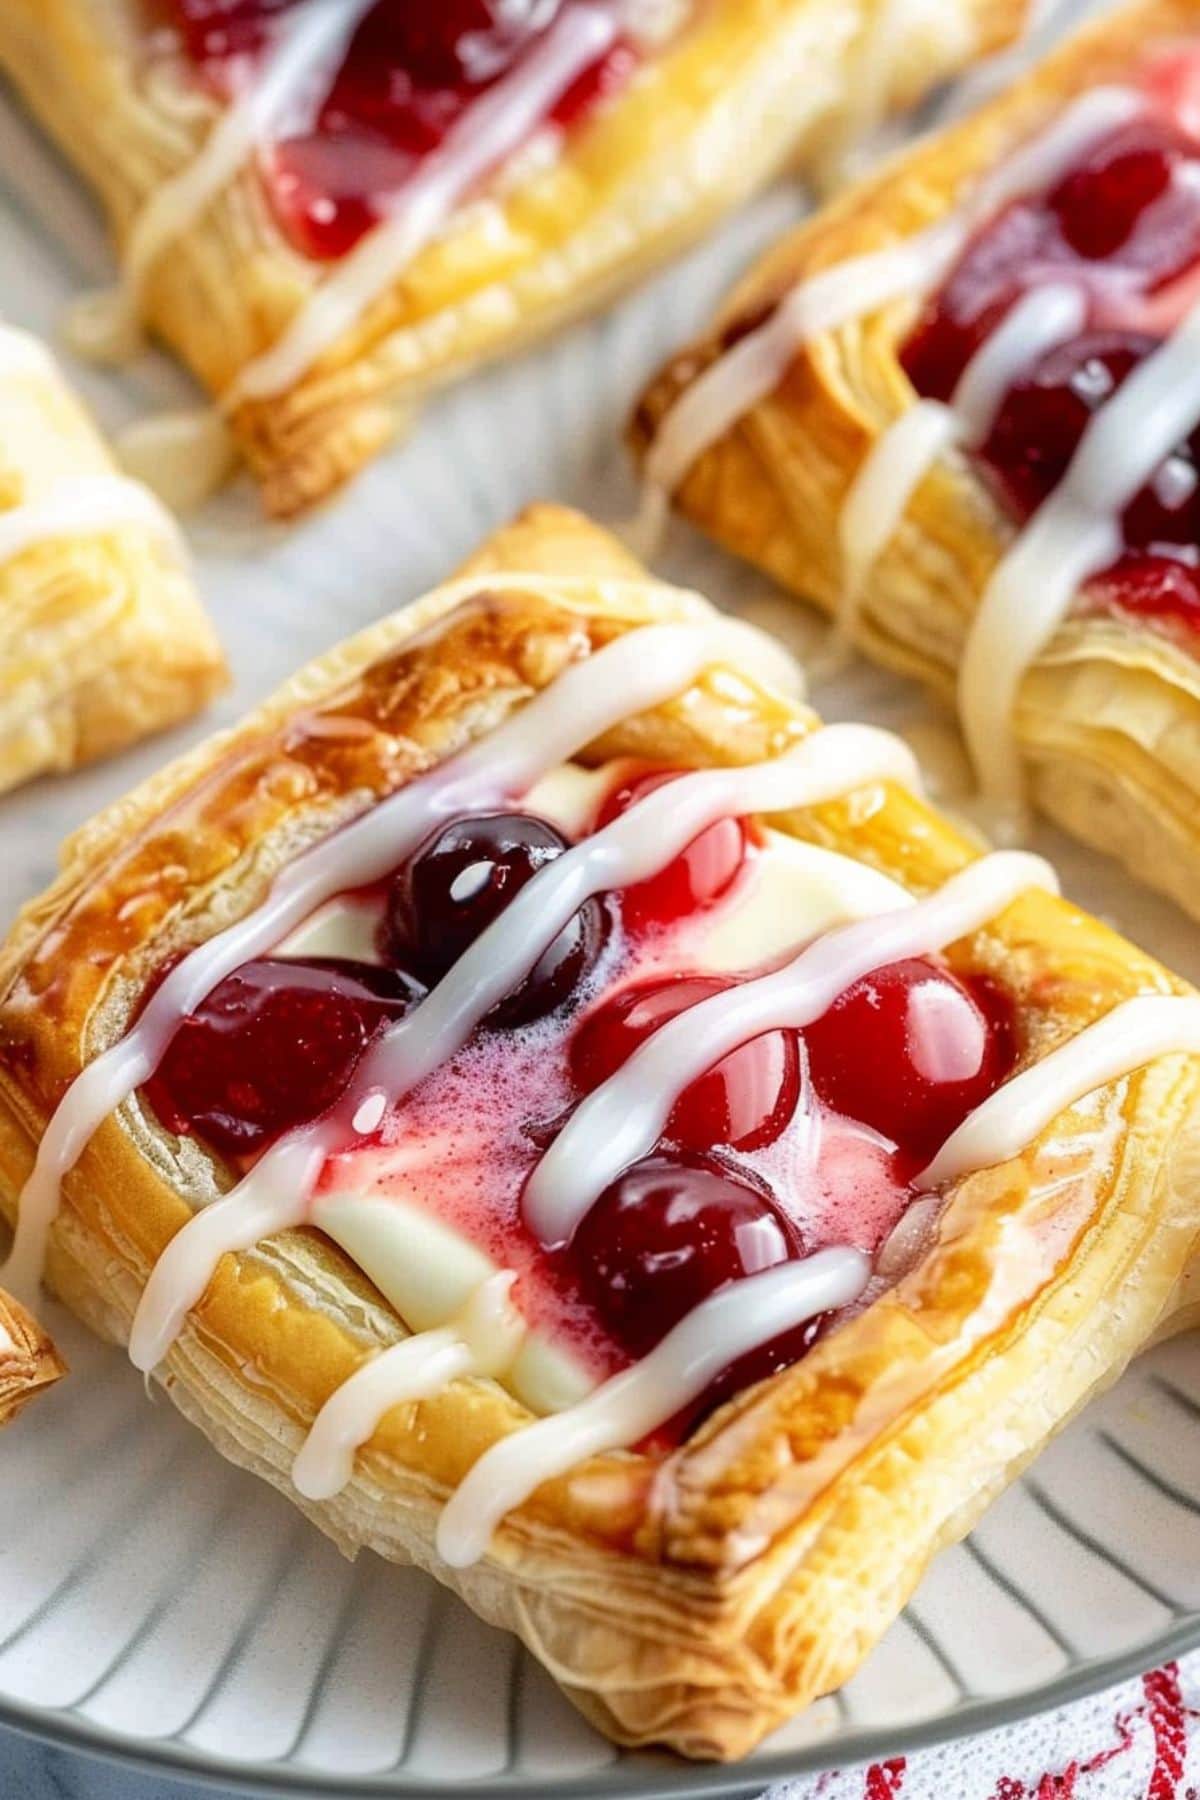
point(647, 173)
point(102, 637)
point(695, 1600)
point(29, 1362)
point(1108, 717)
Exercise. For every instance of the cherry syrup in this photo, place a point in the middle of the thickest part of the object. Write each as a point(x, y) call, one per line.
point(411, 72)
point(1124, 224)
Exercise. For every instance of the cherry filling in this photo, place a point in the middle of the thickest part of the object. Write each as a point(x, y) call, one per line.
point(745, 1176)
point(698, 877)
point(273, 1047)
point(910, 1050)
point(1125, 223)
point(667, 1234)
point(1040, 423)
point(411, 72)
point(461, 879)
point(745, 1102)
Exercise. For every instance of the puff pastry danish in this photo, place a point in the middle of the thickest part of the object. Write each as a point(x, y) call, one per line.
point(29, 1362)
point(102, 637)
point(929, 410)
point(666, 1226)
point(320, 269)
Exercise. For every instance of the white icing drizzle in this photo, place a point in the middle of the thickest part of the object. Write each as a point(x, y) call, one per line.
point(901, 456)
point(84, 506)
point(1039, 320)
point(737, 381)
point(622, 1120)
point(483, 1340)
point(490, 130)
point(273, 1197)
point(305, 57)
point(639, 669)
point(726, 1325)
point(878, 497)
point(831, 763)
point(1133, 1033)
point(1073, 534)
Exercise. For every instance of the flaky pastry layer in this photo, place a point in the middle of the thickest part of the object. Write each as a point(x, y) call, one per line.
point(748, 85)
point(102, 636)
point(694, 1599)
point(29, 1362)
point(1108, 717)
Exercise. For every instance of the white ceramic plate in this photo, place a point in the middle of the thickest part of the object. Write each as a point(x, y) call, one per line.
point(160, 1606)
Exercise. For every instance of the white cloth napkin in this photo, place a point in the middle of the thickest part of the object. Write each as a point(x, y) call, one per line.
point(1140, 1741)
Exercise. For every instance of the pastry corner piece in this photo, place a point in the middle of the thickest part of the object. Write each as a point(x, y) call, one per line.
point(467, 178)
point(103, 638)
point(587, 1128)
point(926, 410)
point(29, 1362)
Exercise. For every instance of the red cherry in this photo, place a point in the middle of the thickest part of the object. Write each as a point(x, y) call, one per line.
point(328, 191)
point(664, 1236)
point(746, 1101)
point(1038, 428)
point(910, 1050)
point(1122, 207)
point(457, 43)
point(459, 880)
point(1151, 587)
point(1100, 202)
point(695, 878)
point(272, 1048)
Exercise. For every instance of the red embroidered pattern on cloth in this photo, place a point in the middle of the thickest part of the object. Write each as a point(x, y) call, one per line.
point(1136, 1742)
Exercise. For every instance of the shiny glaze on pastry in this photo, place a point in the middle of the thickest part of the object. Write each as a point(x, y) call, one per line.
point(1001, 503)
point(317, 303)
point(102, 637)
point(645, 1578)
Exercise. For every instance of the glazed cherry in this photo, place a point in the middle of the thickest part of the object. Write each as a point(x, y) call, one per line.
point(1038, 428)
point(1103, 201)
point(461, 879)
point(1160, 589)
point(696, 878)
point(1125, 220)
point(664, 1236)
point(272, 1047)
point(910, 1050)
point(746, 1101)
